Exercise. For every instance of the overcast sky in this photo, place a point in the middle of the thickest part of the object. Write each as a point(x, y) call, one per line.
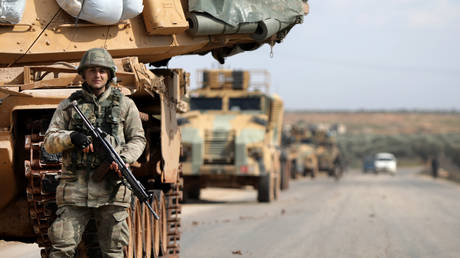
point(356, 54)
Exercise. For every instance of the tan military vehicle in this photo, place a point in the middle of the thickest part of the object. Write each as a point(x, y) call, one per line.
point(329, 156)
point(231, 136)
point(39, 43)
point(299, 148)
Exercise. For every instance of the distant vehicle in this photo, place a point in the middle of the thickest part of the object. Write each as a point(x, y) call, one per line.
point(368, 164)
point(385, 162)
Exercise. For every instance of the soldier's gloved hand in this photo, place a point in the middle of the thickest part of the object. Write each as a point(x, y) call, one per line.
point(116, 169)
point(80, 140)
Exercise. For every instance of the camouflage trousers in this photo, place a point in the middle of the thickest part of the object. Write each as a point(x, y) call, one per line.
point(66, 231)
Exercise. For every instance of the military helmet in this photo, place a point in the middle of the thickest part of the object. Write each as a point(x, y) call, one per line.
point(97, 57)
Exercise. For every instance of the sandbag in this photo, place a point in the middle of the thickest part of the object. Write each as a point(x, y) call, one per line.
point(131, 9)
point(11, 11)
point(103, 12)
point(72, 7)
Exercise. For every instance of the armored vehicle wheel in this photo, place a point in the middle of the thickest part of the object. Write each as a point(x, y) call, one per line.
point(155, 232)
point(285, 176)
point(135, 224)
point(191, 192)
point(148, 232)
point(293, 169)
point(338, 172)
point(305, 172)
point(314, 173)
point(265, 188)
point(277, 187)
point(148, 237)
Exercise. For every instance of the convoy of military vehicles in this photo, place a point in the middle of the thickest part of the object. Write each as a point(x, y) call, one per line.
point(228, 131)
point(309, 150)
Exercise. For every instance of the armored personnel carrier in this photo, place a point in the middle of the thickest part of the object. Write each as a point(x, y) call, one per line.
point(328, 153)
point(39, 45)
point(231, 136)
point(301, 157)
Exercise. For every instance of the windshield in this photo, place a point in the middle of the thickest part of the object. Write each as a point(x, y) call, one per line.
point(202, 103)
point(244, 104)
point(385, 159)
point(306, 140)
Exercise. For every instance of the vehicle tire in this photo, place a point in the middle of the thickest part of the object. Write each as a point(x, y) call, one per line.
point(285, 176)
point(330, 171)
point(192, 193)
point(337, 172)
point(277, 187)
point(314, 173)
point(265, 188)
point(293, 169)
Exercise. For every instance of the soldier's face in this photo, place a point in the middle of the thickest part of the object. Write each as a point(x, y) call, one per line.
point(96, 77)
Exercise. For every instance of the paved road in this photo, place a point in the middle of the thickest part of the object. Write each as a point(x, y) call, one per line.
point(406, 215)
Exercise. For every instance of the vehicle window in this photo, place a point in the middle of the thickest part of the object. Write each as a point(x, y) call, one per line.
point(249, 103)
point(385, 159)
point(306, 141)
point(202, 103)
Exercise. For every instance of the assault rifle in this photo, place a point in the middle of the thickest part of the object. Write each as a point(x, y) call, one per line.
point(129, 180)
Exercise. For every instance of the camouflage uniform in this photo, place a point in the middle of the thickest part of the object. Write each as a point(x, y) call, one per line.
point(78, 196)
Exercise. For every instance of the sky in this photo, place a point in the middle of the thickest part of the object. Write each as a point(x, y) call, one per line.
point(361, 54)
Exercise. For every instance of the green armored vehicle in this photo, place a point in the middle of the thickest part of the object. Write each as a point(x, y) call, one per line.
point(231, 136)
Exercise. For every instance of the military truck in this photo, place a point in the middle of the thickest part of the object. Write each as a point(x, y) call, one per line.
point(301, 159)
point(328, 153)
point(231, 136)
point(40, 43)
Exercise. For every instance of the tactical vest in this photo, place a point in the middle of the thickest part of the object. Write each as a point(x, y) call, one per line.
point(106, 116)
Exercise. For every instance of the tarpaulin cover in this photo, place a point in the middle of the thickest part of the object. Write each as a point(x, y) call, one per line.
point(235, 12)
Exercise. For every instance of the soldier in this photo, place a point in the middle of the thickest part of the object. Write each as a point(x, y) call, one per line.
point(80, 196)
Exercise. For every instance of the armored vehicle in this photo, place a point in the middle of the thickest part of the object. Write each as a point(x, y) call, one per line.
point(328, 153)
point(231, 136)
point(39, 45)
point(301, 157)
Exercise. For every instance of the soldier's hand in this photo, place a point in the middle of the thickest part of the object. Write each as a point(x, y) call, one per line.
point(81, 141)
point(89, 148)
point(115, 168)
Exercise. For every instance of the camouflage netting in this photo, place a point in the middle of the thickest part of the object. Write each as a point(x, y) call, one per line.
point(242, 11)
